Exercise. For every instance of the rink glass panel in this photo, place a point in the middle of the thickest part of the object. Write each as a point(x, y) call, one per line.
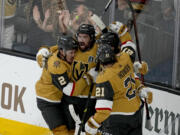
point(156, 25)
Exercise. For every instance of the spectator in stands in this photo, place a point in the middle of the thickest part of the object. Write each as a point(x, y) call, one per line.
point(9, 13)
point(168, 14)
point(71, 21)
point(40, 20)
point(126, 16)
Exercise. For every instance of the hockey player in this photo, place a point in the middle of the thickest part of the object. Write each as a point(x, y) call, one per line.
point(112, 39)
point(118, 105)
point(116, 27)
point(84, 63)
point(49, 94)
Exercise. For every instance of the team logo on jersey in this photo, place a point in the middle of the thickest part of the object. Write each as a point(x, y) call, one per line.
point(90, 59)
point(56, 64)
point(79, 69)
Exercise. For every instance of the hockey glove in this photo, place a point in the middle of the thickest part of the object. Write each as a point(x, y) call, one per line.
point(42, 56)
point(140, 68)
point(118, 28)
point(93, 74)
point(146, 93)
point(91, 126)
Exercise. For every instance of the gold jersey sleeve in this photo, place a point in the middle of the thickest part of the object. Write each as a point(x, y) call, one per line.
point(39, 56)
point(45, 89)
point(59, 70)
point(124, 35)
point(53, 48)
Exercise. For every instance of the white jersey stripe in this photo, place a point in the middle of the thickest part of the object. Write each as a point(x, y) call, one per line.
point(103, 103)
point(48, 100)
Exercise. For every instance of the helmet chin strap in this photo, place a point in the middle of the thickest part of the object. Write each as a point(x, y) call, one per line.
point(61, 55)
point(65, 58)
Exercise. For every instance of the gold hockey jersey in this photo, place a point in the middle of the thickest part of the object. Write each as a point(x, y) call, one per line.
point(54, 77)
point(116, 90)
point(83, 62)
point(61, 73)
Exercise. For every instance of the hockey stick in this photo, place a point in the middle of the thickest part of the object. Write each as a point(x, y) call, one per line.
point(98, 20)
point(107, 7)
point(76, 119)
point(85, 110)
point(101, 25)
point(148, 120)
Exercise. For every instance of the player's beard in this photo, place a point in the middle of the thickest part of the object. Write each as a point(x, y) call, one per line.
point(83, 47)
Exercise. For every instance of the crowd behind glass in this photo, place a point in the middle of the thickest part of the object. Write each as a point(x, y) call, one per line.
point(28, 24)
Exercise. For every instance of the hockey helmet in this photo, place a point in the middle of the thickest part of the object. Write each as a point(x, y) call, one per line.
point(105, 54)
point(109, 38)
point(86, 29)
point(67, 43)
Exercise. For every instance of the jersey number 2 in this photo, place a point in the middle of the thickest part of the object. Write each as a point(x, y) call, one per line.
point(62, 80)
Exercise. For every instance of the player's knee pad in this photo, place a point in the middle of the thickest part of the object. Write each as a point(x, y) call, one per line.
point(60, 130)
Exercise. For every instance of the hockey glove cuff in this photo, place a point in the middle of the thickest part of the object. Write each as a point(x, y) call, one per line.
point(118, 28)
point(92, 126)
point(42, 56)
point(141, 68)
point(146, 93)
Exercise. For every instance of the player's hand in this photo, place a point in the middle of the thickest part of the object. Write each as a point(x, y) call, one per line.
point(93, 74)
point(91, 126)
point(97, 21)
point(146, 93)
point(118, 28)
point(36, 14)
point(141, 68)
point(42, 56)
